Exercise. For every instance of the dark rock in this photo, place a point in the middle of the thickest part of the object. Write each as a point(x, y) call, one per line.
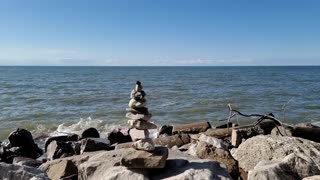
point(26, 162)
point(166, 129)
point(227, 125)
point(119, 137)
point(72, 137)
point(312, 134)
point(90, 132)
point(94, 144)
point(57, 150)
point(208, 151)
point(192, 128)
point(23, 139)
point(170, 141)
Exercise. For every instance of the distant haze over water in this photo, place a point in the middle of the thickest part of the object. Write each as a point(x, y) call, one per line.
point(42, 98)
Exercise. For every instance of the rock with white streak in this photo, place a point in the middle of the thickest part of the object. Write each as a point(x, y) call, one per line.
point(218, 143)
point(144, 144)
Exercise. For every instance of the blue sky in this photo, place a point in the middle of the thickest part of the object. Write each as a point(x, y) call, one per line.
point(163, 32)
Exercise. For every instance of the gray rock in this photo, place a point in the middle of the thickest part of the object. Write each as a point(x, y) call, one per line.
point(138, 134)
point(269, 147)
point(170, 141)
point(192, 128)
point(123, 145)
point(13, 172)
point(316, 177)
point(219, 133)
point(282, 131)
point(218, 143)
point(132, 116)
point(294, 166)
point(137, 104)
point(141, 124)
point(62, 149)
point(118, 173)
point(144, 144)
point(144, 159)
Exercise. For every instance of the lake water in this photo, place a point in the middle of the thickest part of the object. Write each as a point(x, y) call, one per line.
point(47, 100)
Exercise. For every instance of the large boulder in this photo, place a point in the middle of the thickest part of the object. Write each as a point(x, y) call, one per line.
point(119, 137)
point(293, 166)
point(136, 134)
point(170, 141)
point(57, 150)
point(71, 137)
point(13, 172)
point(205, 150)
point(94, 144)
point(269, 147)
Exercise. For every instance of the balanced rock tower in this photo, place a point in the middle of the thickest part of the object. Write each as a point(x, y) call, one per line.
point(138, 119)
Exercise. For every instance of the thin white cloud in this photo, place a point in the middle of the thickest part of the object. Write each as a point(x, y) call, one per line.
point(203, 62)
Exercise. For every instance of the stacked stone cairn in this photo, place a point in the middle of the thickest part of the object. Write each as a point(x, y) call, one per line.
point(138, 118)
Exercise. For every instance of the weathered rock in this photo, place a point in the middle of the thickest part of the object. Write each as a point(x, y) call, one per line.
point(141, 124)
point(118, 137)
point(23, 139)
point(137, 104)
point(192, 128)
point(294, 166)
point(170, 141)
point(219, 133)
point(17, 172)
point(72, 137)
point(208, 151)
point(94, 144)
point(144, 159)
point(90, 133)
point(269, 147)
point(316, 177)
point(136, 134)
point(218, 143)
point(123, 145)
point(309, 133)
point(62, 149)
point(62, 169)
point(166, 129)
point(144, 144)
point(117, 173)
point(180, 166)
point(282, 131)
point(24, 161)
point(132, 116)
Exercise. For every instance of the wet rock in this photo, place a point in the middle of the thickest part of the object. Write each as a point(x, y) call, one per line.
point(118, 137)
point(293, 166)
point(208, 151)
point(13, 172)
point(312, 134)
point(90, 133)
point(94, 144)
point(144, 159)
point(65, 169)
point(269, 147)
point(192, 128)
point(136, 134)
point(144, 144)
point(170, 141)
point(24, 161)
point(71, 137)
point(166, 129)
point(22, 139)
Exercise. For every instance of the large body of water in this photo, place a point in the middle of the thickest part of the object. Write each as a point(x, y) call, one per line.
point(50, 99)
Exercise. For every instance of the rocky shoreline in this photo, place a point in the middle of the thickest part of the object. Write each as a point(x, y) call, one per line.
point(188, 151)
